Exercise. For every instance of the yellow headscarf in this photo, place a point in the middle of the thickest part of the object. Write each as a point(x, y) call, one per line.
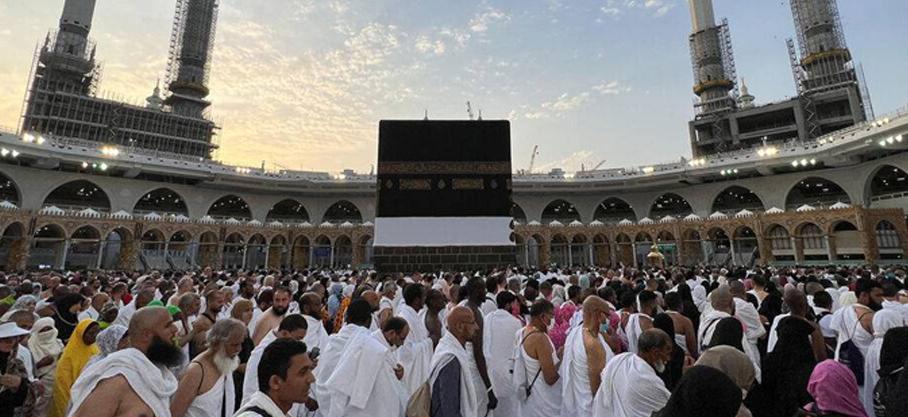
point(75, 356)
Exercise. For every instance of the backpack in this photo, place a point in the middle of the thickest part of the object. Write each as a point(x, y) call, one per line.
point(850, 355)
point(420, 404)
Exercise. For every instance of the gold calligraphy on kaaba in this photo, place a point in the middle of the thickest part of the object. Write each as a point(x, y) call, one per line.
point(467, 184)
point(415, 184)
point(445, 168)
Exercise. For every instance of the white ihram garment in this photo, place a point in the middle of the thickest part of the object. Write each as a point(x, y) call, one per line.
point(363, 383)
point(575, 377)
point(630, 388)
point(498, 341)
point(545, 399)
point(448, 349)
point(883, 321)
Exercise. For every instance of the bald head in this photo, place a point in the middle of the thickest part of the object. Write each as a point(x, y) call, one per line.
point(722, 300)
point(372, 298)
point(147, 323)
point(462, 324)
point(593, 308)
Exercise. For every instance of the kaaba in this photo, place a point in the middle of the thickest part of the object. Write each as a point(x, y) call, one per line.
point(444, 196)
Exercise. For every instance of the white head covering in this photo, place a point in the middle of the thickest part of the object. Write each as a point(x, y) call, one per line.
point(43, 344)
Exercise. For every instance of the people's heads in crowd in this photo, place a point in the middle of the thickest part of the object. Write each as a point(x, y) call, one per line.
point(655, 347)
point(506, 301)
point(285, 372)
point(462, 324)
point(396, 331)
point(151, 330)
point(415, 296)
point(869, 293)
point(435, 300)
point(542, 314)
point(281, 298)
point(293, 326)
point(225, 339)
point(359, 313)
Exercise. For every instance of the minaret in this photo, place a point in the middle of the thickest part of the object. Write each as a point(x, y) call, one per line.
point(154, 101)
point(746, 101)
point(825, 57)
point(712, 59)
point(68, 56)
point(190, 56)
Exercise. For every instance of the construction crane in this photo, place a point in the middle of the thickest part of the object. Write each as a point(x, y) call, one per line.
point(533, 159)
point(599, 165)
point(470, 110)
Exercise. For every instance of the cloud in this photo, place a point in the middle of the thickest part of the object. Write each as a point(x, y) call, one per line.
point(480, 22)
point(566, 103)
point(611, 88)
point(655, 8)
point(427, 46)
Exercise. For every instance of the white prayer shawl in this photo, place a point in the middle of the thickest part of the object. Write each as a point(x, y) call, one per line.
point(846, 324)
point(152, 384)
point(897, 306)
point(708, 326)
point(316, 336)
point(416, 353)
point(263, 401)
point(630, 388)
point(773, 336)
point(883, 321)
point(448, 349)
point(633, 330)
point(577, 399)
point(125, 314)
point(329, 360)
point(499, 345)
point(251, 377)
point(209, 403)
point(363, 383)
point(747, 314)
point(545, 400)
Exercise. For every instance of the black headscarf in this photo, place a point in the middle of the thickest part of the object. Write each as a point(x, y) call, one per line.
point(728, 332)
point(703, 392)
point(893, 356)
point(675, 368)
point(64, 320)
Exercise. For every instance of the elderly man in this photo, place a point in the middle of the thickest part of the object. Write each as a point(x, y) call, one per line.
point(451, 380)
point(723, 306)
point(366, 380)
point(135, 381)
point(630, 386)
point(585, 356)
point(206, 388)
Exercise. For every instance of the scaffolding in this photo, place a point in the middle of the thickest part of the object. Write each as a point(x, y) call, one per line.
point(715, 74)
point(825, 56)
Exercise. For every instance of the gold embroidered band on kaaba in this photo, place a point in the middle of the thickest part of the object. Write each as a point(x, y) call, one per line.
point(445, 168)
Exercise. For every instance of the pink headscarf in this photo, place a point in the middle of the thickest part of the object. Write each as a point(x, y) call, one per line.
point(835, 389)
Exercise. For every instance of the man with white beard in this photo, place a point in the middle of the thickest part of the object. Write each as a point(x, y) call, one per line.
point(585, 355)
point(416, 353)
point(630, 386)
point(499, 339)
point(366, 381)
point(206, 388)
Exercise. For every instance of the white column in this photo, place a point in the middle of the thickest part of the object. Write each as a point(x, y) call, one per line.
point(267, 253)
point(731, 247)
point(102, 244)
point(65, 252)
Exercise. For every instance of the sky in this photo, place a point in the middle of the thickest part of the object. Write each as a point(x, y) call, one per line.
point(302, 84)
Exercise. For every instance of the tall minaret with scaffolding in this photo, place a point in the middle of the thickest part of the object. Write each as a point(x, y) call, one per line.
point(825, 71)
point(712, 59)
point(191, 46)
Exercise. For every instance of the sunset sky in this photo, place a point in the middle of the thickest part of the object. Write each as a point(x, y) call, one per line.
point(302, 84)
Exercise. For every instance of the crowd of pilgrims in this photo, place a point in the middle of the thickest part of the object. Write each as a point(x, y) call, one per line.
point(571, 342)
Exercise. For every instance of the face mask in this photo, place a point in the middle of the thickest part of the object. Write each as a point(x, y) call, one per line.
point(603, 328)
point(551, 323)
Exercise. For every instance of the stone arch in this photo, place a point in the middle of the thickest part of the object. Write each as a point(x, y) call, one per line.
point(613, 210)
point(163, 201)
point(625, 249)
point(48, 247)
point(888, 241)
point(234, 252)
point(119, 250)
point(300, 252)
point(670, 204)
point(343, 211)
point(746, 246)
point(558, 248)
point(288, 211)
point(518, 214)
point(817, 192)
point(78, 195)
point(9, 190)
point(364, 249)
point(343, 251)
point(209, 250)
point(718, 247)
point(846, 240)
point(535, 248)
point(886, 181)
point(256, 252)
point(602, 250)
point(84, 248)
point(560, 210)
point(580, 253)
point(736, 198)
point(230, 206)
point(691, 252)
point(322, 250)
point(12, 246)
point(813, 241)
